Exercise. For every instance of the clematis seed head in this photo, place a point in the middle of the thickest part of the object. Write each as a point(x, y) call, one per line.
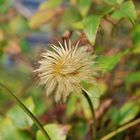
point(62, 69)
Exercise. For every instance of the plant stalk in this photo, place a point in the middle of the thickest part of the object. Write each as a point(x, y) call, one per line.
point(28, 112)
point(86, 94)
point(115, 132)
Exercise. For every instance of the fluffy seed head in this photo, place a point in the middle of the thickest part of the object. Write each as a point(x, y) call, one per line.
point(63, 69)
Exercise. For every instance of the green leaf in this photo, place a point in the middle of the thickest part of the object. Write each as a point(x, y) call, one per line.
point(80, 130)
point(83, 6)
point(91, 24)
point(2, 1)
point(5, 5)
point(126, 10)
point(94, 94)
point(78, 25)
point(133, 78)
point(8, 131)
point(112, 2)
point(19, 117)
point(50, 4)
point(46, 12)
point(68, 19)
point(1, 53)
point(24, 46)
point(136, 39)
point(71, 105)
point(107, 63)
point(136, 49)
point(17, 25)
point(40, 106)
point(55, 131)
point(126, 113)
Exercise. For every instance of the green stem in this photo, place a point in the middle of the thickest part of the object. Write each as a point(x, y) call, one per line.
point(86, 94)
point(115, 132)
point(21, 105)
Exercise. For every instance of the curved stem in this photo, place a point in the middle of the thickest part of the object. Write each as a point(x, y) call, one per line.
point(86, 94)
point(21, 105)
point(115, 132)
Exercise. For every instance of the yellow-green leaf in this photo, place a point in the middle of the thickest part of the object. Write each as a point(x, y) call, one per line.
point(19, 117)
point(126, 10)
point(55, 131)
point(91, 24)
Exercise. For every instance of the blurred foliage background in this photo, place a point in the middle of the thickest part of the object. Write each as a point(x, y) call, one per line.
point(109, 27)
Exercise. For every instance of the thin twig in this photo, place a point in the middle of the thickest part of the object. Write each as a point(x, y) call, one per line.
point(115, 132)
point(85, 93)
point(21, 105)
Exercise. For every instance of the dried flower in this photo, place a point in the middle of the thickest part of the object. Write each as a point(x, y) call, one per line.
point(62, 70)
